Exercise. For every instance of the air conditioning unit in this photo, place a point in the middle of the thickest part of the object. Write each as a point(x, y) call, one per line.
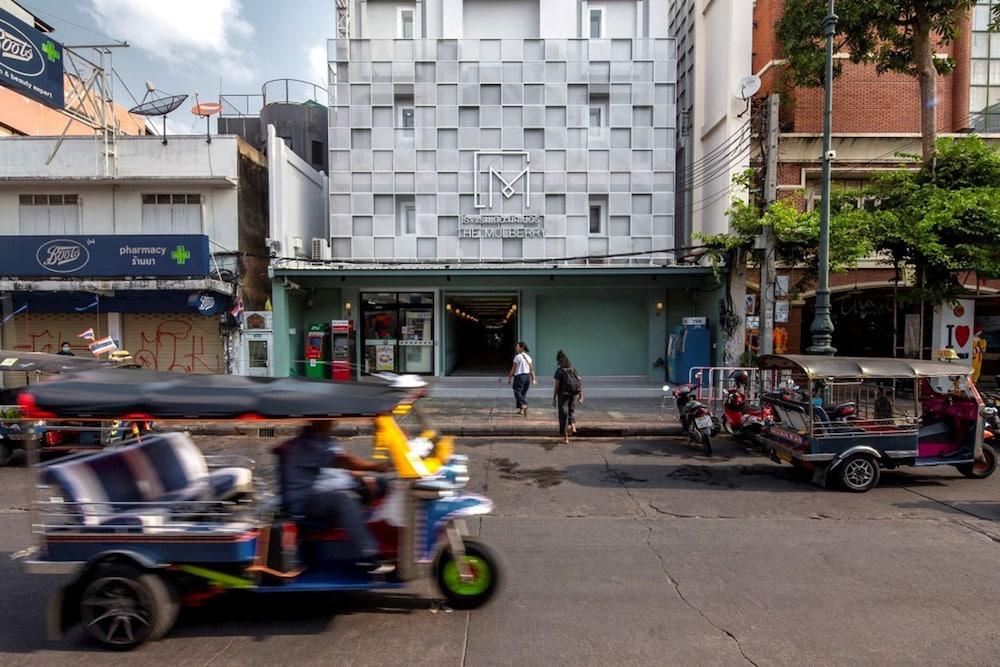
point(294, 247)
point(320, 248)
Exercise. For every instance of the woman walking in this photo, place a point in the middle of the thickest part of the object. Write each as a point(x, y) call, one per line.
point(567, 392)
point(522, 376)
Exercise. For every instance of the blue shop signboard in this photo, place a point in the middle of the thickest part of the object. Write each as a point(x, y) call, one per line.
point(30, 62)
point(104, 256)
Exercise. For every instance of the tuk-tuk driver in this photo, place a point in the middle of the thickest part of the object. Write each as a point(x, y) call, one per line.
point(325, 484)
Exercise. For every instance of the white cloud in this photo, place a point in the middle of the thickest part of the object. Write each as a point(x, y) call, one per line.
point(318, 65)
point(203, 33)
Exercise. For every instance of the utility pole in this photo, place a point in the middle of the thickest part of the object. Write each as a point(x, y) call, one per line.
point(822, 325)
point(767, 277)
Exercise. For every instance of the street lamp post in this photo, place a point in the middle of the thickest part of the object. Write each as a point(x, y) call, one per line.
point(822, 325)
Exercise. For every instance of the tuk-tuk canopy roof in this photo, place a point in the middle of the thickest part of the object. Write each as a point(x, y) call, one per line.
point(43, 362)
point(821, 367)
point(118, 393)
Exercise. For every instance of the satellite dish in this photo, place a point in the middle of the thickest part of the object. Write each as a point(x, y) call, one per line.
point(157, 106)
point(206, 110)
point(747, 87)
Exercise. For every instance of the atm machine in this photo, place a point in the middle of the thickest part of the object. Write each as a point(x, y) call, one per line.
point(689, 346)
point(342, 346)
point(317, 351)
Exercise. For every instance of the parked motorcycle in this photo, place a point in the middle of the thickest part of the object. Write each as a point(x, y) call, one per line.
point(741, 419)
point(697, 423)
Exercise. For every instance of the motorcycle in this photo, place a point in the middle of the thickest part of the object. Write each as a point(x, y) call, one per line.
point(742, 420)
point(697, 423)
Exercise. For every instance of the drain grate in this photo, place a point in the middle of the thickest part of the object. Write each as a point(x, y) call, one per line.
point(265, 432)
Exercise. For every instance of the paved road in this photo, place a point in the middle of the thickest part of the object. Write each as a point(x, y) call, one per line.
point(635, 552)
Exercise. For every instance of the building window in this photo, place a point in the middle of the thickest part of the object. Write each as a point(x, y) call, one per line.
point(171, 214)
point(317, 153)
point(406, 216)
point(596, 117)
point(404, 29)
point(984, 89)
point(49, 214)
point(596, 218)
point(596, 22)
point(406, 118)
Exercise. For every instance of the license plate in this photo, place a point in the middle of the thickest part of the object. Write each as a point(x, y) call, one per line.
point(705, 421)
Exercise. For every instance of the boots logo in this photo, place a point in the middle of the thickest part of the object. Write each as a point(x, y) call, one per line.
point(19, 54)
point(499, 172)
point(62, 256)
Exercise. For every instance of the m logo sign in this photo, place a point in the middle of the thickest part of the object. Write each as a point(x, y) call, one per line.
point(499, 175)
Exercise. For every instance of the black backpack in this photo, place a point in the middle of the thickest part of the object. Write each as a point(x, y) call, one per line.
point(571, 382)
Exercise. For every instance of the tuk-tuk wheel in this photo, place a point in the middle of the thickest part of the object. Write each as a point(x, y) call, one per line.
point(6, 453)
point(858, 473)
point(486, 570)
point(121, 606)
point(981, 469)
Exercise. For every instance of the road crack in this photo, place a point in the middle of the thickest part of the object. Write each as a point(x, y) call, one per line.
point(618, 477)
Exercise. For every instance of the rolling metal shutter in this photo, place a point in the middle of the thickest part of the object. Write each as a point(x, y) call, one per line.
point(177, 343)
point(44, 333)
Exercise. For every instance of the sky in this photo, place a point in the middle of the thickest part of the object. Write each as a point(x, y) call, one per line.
point(189, 46)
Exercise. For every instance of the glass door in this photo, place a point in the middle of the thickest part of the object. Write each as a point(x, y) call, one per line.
point(417, 340)
point(398, 329)
point(258, 354)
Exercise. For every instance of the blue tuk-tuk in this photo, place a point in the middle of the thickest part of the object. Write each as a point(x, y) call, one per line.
point(146, 527)
point(846, 418)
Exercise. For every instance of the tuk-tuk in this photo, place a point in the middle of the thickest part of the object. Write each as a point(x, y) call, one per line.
point(152, 525)
point(22, 369)
point(846, 418)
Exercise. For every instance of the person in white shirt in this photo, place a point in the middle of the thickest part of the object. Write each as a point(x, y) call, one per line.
point(522, 376)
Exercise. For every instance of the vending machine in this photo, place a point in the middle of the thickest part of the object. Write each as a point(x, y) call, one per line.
point(317, 351)
point(342, 337)
point(689, 346)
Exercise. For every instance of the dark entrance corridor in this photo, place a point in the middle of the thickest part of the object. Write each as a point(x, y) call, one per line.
point(481, 334)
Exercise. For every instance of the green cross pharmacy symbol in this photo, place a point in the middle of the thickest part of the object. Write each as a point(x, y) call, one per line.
point(180, 255)
point(51, 51)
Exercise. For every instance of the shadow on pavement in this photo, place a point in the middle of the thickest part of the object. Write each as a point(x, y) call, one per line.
point(24, 605)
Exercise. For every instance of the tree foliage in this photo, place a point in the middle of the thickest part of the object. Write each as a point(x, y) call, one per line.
point(879, 32)
point(899, 36)
point(796, 234)
point(943, 219)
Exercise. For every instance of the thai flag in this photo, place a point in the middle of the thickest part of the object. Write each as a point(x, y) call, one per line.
point(103, 346)
point(86, 335)
point(237, 309)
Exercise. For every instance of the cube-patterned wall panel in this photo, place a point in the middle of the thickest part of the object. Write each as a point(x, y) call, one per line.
point(586, 129)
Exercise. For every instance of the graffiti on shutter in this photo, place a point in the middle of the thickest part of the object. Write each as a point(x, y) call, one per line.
point(179, 343)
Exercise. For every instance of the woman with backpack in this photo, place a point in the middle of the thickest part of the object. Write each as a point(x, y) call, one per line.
point(522, 376)
point(567, 392)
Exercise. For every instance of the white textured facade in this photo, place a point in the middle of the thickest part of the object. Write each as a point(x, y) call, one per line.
point(565, 109)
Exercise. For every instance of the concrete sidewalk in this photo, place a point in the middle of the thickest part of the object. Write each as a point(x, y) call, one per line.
point(497, 416)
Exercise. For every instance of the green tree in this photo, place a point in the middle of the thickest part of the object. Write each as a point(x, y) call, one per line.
point(796, 232)
point(943, 219)
point(893, 35)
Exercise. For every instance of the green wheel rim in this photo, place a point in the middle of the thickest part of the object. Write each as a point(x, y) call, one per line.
point(481, 576)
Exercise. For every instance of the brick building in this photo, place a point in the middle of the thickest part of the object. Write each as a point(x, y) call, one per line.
point(875, 117)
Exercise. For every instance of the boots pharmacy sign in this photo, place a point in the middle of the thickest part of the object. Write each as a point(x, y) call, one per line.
point(502, 196)
point(105, 256)
point(30, 63)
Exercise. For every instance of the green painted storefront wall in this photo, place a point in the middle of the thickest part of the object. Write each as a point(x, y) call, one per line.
point(602, 333)
point(606, 322)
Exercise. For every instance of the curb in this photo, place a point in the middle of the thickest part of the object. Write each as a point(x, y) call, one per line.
point(350, 430)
